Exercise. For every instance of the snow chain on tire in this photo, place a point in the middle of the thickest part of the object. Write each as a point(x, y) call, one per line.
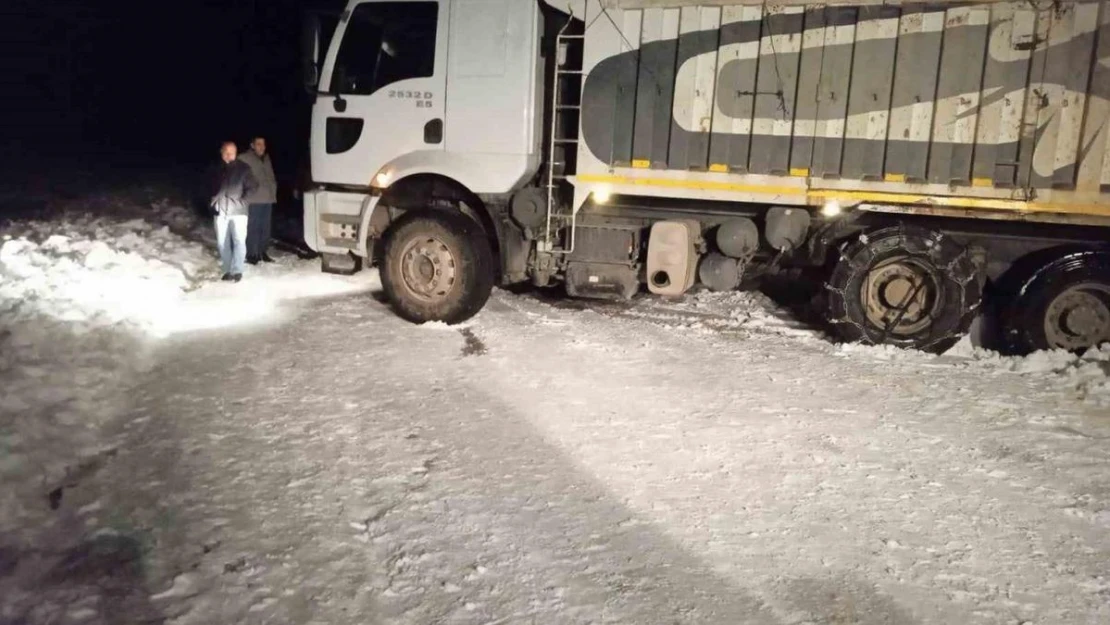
point(949, 264)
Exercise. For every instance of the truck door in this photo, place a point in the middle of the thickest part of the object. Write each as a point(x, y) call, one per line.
point(382, 90)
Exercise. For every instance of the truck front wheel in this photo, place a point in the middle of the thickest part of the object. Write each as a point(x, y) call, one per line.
point(906, 287)
point(1063, 304)
point(436, 266)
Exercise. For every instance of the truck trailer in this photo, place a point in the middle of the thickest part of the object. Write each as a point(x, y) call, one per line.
point(923, 163)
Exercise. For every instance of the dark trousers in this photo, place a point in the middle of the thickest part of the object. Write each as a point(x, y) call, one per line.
point(258, 229)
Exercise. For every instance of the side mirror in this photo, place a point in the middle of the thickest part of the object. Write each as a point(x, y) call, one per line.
point(311, 53)
point(311, 79)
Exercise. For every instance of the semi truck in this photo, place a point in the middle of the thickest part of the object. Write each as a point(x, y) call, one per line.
point(925, 164)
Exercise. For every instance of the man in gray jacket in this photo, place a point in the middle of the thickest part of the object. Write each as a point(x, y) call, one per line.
point(261, 201)
point(232, 182)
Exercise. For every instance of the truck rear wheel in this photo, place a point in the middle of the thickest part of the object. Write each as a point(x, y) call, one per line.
point(1063, 304)
point(436, 266)
point(906, 287)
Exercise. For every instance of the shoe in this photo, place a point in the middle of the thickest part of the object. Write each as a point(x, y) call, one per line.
point(266, 258)
point(226, 277)
point(252, 260)
point(235, 277)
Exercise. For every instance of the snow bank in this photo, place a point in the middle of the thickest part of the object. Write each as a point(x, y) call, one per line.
point(97, 273)
point(1088, 374)
point(150, 276)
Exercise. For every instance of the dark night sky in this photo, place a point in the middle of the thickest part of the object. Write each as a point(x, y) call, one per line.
point(164, 82)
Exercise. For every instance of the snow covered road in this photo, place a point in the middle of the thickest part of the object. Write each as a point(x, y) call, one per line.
point(285, 450)
point(544, 465)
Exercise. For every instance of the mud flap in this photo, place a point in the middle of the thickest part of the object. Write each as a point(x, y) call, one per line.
point(340, 264)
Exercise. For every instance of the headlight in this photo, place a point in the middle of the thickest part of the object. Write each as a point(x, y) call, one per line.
point(382, 179)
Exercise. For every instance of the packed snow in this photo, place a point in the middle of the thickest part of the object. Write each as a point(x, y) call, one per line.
point(286, 450)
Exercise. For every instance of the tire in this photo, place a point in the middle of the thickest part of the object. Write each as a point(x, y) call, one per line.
point(436, 266)
point(906, 287)
point(1062, 303)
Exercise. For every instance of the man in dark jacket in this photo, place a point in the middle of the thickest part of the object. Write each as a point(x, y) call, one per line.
point(261, 201)
point(232, 182)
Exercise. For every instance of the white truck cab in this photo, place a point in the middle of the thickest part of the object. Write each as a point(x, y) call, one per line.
point(449, 89)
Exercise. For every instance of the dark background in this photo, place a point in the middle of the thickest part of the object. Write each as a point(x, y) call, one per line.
point(133, 85)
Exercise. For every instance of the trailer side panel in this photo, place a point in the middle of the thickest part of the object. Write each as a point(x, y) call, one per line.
point(1002, 100)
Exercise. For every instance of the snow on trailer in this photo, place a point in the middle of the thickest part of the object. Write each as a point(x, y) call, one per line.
point(923, 164)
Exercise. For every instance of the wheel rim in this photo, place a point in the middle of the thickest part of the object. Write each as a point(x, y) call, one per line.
point(901, 296)
point(428, 268)
point(1079, 317)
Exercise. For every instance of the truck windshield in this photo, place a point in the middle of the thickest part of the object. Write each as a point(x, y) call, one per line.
point(386, 42)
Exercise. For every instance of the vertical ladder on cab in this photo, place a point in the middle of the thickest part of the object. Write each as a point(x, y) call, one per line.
point(566, 105)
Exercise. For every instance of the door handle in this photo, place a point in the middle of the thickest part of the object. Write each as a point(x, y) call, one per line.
point(340, 104)
point(433, 131)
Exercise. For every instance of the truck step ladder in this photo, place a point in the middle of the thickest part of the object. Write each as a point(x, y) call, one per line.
point(567, 141)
